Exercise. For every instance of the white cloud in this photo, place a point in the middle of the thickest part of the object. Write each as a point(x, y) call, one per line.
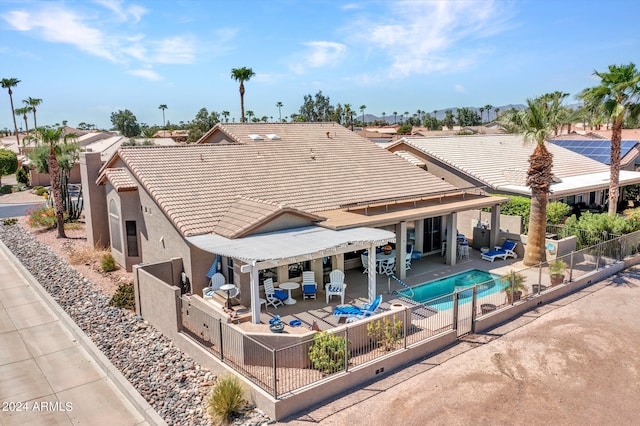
point(175, 50)
point(459, 88)
point(320, 54)
point(146, 74)
point(134, 11)
point(420, 37)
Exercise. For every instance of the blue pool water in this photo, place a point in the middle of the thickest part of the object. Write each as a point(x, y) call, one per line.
point(487, 282)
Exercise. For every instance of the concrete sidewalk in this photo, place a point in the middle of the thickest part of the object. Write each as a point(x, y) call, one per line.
point(47, 376)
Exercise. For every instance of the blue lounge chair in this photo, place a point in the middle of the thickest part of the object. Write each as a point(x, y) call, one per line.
point(507, 250)
point(353, 313)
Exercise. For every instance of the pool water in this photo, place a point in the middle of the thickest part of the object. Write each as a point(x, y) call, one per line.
point(487, 283)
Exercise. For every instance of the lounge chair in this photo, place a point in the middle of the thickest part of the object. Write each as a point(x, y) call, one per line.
point(507, 250)
point(274, 297)
point(336, 285)
point(217, 281)
point(309, 285)
point(354, 313)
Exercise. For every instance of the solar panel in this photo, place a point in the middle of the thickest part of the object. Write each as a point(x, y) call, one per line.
point(596, 149)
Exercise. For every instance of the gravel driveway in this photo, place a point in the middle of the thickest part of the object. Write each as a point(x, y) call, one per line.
point(573, 362)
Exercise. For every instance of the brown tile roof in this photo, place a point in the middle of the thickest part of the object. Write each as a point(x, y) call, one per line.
point(121, 180)
point(312, 167)
point(246, 215)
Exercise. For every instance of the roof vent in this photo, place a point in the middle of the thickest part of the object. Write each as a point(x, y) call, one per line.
point(273, 137)
point(255, 137)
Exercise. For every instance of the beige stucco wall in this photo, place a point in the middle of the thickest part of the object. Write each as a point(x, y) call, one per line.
point(95, 202)
point(43, 179)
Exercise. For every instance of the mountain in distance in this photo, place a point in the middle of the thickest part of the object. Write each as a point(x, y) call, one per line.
point(369, 118)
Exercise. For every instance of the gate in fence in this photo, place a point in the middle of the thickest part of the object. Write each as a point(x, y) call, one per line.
point(464, 307)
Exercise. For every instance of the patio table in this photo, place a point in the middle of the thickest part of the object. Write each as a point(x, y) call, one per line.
point(289, 286)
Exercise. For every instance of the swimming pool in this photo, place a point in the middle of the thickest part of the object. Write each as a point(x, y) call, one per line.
point(487, 282)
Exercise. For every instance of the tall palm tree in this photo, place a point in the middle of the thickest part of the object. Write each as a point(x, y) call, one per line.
point(617, 95)
point(279, 105)
point(163, 107)
point(242, 74)
point(52, 137)
point(225, 114)
point(33, 103)
point(496, 110)
point(362, 108)
point(536, 123)
point(406, 115)
point(395, 117)
point(384, 118)
point(481, 116)
point(488, 108)
point(23, 112)
point(8, 83)
point(250, 114)
point(347, 115)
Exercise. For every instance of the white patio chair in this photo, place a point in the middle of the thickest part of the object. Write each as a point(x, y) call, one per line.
point(365, 263)
point(407, 261)
point(336, 290)
point(274, 297)
point(217, 281)
point(388, 266)
point(309, 285)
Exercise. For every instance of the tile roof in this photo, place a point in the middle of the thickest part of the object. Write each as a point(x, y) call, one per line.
point(497, 160)
point(121, 180)
point(312, 167)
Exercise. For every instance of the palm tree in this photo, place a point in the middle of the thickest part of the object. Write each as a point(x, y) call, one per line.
point(242, 74)
point(250, 114)
point(488, 108)
point(52, 137)
point(481, 111)
point(384, 118)
point(279, 105)
point(33, 103)
point(23, 112)
point(536, 123)
point(163, 107)
point(347, 115)
point(496, 110)
point(617, 95)
point(362, 108)
point(406, 115)
point(8, 83)
point(395, 117)
point(225, 114)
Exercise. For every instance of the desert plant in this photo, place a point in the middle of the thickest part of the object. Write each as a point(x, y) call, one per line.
point(124, 297)
point(387, 333)
point(39, 190)
point(22, 176)
point(556, 271)
point(108, 263)
point(43, 217)
point(556, 212)
point(225, 399)
point(513, 285)
point(6, 189)
point(10, 221)
point(327, 353)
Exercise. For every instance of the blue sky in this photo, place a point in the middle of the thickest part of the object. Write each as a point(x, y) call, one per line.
point(88, 58)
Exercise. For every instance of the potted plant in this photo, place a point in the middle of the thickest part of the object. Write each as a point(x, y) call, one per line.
point(513, 286)
point(276, 325)
point(556, 271)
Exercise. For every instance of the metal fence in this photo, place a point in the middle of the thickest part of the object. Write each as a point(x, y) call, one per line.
point(280, 370)
point(584, 238)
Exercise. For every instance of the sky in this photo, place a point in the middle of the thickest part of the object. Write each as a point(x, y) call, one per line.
point(88, 58)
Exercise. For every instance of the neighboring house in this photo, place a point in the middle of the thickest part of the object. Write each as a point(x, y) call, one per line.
point(597, 146)
point(500, 163)
point(258, 198)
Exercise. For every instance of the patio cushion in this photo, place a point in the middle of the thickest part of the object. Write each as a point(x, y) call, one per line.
point(309, 288)
point(347, 310)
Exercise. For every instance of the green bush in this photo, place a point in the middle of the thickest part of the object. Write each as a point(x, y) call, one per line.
point(386, 333)
point(8, 162)
point(556, 212)
point(22, 176)
point(108, 263)
point(39, 190)
point(597, 225)
point(124, 297)
point(6, 189)
point(328, 352)
point(43, 217)
point(225, 399)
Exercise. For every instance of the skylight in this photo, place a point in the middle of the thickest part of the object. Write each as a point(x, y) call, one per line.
point(255, 137)
point(273, 136)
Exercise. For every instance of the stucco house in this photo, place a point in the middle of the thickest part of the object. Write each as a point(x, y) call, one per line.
point(259, 198)
point(500, 163)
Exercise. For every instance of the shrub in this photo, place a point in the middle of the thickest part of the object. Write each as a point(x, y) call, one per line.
point(39, 190)
point(22, 176)
point(124, 297)
point(108, 263)
point(6, 189)
point(556, 212)
point(225, 399)
point(328, 352)
point(11, 221)
point(8, 162)
point(43, 217)
point(386, 333)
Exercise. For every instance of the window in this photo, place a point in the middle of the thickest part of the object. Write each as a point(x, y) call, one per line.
point(295, 269)
point(114, 224)
point(230, 270)
point(571, 199)
point(132, 238)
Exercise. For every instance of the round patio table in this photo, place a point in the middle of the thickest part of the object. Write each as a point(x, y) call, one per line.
point(228, 288)
point(289, 286)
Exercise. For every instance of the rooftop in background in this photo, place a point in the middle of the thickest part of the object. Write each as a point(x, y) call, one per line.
point(596, 149)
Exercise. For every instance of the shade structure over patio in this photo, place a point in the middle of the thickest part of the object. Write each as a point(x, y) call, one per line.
point(261, 251)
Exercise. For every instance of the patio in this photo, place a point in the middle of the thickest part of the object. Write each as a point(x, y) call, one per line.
point(426, 269)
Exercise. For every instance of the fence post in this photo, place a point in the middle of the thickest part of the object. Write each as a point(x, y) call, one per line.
point(221, 341)
point(599, 248)
point(455, 311)
point(539, 276)
point(513, 286)
point(571, 266)
point(474, 307)
point(405, 326)
point(275, 374)
point(346, 349)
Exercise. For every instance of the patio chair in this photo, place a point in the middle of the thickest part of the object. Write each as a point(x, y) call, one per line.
point(336, 286)
point(387, 267)
point(365, 263)
point(507, 250)
point(217, 281)
point(274, 297)
point(354, 313)
point(407, 261)
point(309, 285)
